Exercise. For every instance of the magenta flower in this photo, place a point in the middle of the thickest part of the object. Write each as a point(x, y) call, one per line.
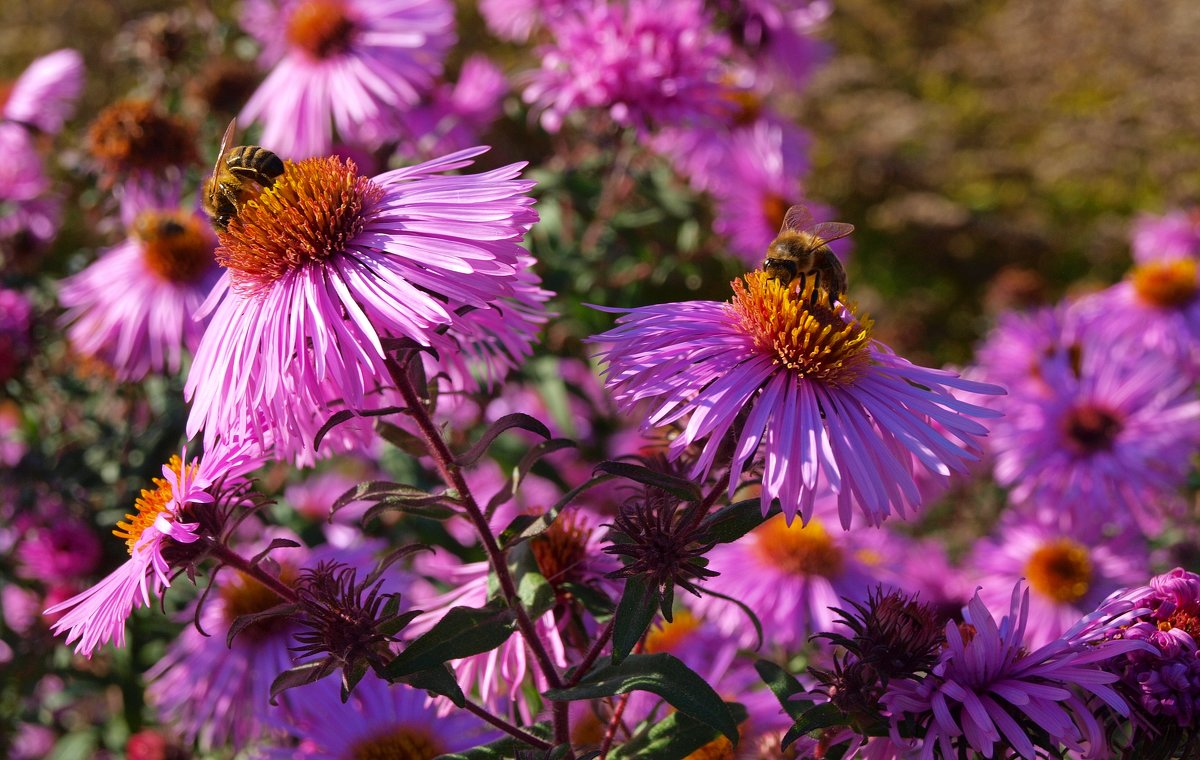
point(791, 576)
point(825, 406)
point(1104, 432)
point(1175, 235)
point(349, 65)
point(1025, 351)
point(29, 212)
point(455, 116)
point(784, 31)
point(44, 96)
point(515, 20)
point(165, 269)
point(16, 320)
point(380, 720)
point(991, 688)
point(98, 615)
point(62, 550)
point(1070, 569)
point(644, 63)
point(327, 264)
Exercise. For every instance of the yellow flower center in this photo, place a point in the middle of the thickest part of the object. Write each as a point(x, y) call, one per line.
point(243, 595)
point(149, 506)
point(401, 743)
point(313, 210)
point(177, 246)
point(1166, 284)
point(718, 749)
point(801, 550)
point(802, 329)
point(668, 637)
point(321, 28)
point(1060, 570)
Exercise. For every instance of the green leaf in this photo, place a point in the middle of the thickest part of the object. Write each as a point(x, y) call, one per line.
point(439, 680)
point(525, 527)
point(347, 414)
point(423, 508)
point(401, 439)
point(675, 736)
point(637, 608)
point(684, 489)
point(593, 600)
point(817, 717)
point(731, 522)
point(523, 467)
point(783, 685)
point(507, 422)
point(462, 632)
point(301, 675)
point(503, 749)
point(661, 674)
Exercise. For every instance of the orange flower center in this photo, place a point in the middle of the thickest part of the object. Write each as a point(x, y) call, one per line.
point(149, 506)
point(321, 28)
point(243, 595)
point(1090, 428)
point(802, 329)
point(718, 749)
point(135, 135)
point(669, 637)
point(1186, 619)
point(314, 209)
point(800, 550)
point(562, 549)
point(177, 246)
point(1060, 570)
point(408, 742)
point(775, 208)
point(1166, 284)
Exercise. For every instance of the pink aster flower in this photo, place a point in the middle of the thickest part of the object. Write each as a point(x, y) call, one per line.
point(379, 720)
point(455, 116)
point(515, 20)
point(1025, 351)
point(16, 320)
point(644, 63)
point(328, 264)
point(1175, 235)
point(791, 576)
point(29, 211)
point(1109, 433)
point(59, 551)
point(353, 65)
point(991, 688)
point(161, 524)
point(824, 405)
point(784, 30)
point(1070, 569)
point(133, 307)
point(44, 96)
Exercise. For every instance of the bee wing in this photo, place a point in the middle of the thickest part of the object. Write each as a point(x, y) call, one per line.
point(226, 139)
point(797, 218)
point(830, 231)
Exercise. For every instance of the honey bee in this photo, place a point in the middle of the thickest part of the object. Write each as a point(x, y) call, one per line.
point(239, 175)
point(801, 249)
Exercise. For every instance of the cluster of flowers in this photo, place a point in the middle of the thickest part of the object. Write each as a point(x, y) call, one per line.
point(347, 305)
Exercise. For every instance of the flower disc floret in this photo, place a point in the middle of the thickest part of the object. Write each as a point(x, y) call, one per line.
point(1170, 283)
point(176, 245)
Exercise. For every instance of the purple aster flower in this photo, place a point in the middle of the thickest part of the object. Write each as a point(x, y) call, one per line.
point(824, 405)
point(133, 307)
point(644, 63)
point(327, 264)
point(1070, 568)
point(514, 20)
point(220, 694)
point(44, 96)
point(64, 549)
point(16, 319)
point(991, 689)
point(380, 720)
point(29, 212)
point(792, 576)
point(161, 524)
point(456, 115)
point(1025, 351)
point(784, 31)
point(1175, 235)
point(353, 65)
point(1164, 682)
point(1109, 433)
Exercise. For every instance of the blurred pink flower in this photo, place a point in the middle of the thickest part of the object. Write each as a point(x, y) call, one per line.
point(455, 116)
point(29, 211)
point(62, 550)
point(44, 96)
point(784, 31)
point(134, 307)
point(643, 62)
point(353, 65)
point(1174, 235)
point(515, 20)
point(16, 320)
point(331, 265)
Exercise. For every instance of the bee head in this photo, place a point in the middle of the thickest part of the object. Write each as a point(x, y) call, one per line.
point(796, 248)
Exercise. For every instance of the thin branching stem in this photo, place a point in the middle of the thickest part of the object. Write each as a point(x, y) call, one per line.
point(507, 727)
point(231, 558)
point(592, 654)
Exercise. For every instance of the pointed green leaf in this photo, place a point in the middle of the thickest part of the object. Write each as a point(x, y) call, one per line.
point(462, 632)
point(507, 422)
point(783, 685)
point(301, 675)
point(525, 527)
point(439, 680)
point(675, 736)
point(636, 610)
point(686, 490)
point(731, 522)
point(661, 674)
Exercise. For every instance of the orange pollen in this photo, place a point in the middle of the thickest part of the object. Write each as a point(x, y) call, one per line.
point(1186, 619)
point(245, 596)
point(135, 135)
point(775, 208)
point(177, 246)
point(801, 550)
point(311, 213)
point(668, 637)
point(149, 506)
point(1090, 429)
point(562, 549)
point(1166, 284)
point(718, 749)
point(1060, 570)
point(321, 28)
point(802, 329)
point(408, 742)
